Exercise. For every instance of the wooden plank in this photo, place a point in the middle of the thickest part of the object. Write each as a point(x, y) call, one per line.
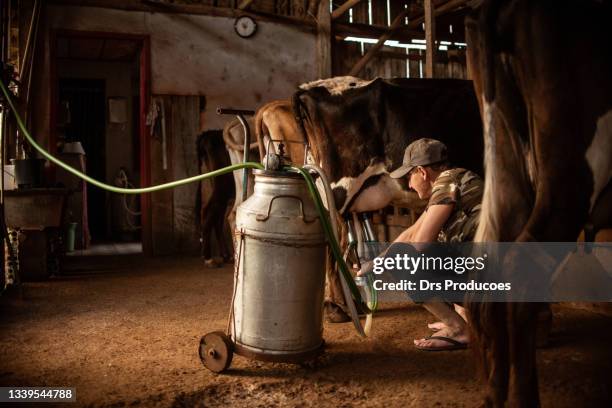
point(346, 54)
point(185, 126)
point(396, 53)
point(299, 8)
point(268, 6)
point(399, 20)
point(430, 38)
point(244, 4)
point(415, 60)
point(360, 13)
point(396, 7)
point(398, 67)
point(324, 51)
point(340, 11)
point(162, 201)
point(282, 7)
point(379, 13)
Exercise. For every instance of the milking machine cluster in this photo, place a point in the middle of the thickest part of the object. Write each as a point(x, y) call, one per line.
point(282, 232)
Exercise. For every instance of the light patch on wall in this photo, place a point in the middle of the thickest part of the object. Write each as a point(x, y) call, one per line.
point(117, 110)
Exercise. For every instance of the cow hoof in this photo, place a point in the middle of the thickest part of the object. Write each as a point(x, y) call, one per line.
point(335, 314)
point(211, 263)
point(543, 328)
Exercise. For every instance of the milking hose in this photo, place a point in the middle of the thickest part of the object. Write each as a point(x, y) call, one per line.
point(313, 191)
point(347, 282)
point(109, 187)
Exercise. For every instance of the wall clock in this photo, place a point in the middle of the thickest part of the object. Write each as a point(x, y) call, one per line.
point(245, 26)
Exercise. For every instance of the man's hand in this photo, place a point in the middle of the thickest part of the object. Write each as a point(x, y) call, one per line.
point(366, 267)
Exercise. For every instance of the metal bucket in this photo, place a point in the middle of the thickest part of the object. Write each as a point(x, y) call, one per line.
point(279, 289)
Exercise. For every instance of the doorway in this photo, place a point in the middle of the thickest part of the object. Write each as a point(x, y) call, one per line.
point(100, 85)
point(85, 99)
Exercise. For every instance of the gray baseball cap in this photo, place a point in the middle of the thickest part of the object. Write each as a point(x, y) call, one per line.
point(422, 152)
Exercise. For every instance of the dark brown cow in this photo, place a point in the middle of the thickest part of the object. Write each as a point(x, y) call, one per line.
point(541, 70)
point(215, 196)
point(359, 132)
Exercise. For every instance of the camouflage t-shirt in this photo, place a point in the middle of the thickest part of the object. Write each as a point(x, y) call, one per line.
point(464, 188)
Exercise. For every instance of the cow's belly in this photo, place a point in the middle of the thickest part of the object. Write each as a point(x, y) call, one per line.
point(385, 192)
point(372, 198)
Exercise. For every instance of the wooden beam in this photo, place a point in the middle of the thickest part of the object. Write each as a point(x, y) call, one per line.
point(324, 40)
point(155, 6)
point(445, 8)
point(430, 38)
point(343, 8)
point(397, 22)
point(244, 4)
point(403, 34)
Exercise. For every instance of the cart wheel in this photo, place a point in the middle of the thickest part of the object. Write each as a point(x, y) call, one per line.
point(216, 351)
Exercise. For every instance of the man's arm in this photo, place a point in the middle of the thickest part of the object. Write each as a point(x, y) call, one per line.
point(407, 235)
point(425, 229)
point(433, 220)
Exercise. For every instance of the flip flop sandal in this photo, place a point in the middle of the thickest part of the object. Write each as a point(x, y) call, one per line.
point(454, 344)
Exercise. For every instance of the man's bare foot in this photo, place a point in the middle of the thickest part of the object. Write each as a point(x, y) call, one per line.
point(440, 325)
point(461, 311)
point(436, 326)
point(460, 337)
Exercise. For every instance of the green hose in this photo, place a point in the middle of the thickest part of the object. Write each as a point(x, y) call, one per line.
point(335, 247)
point(309, 181)
point(109, 187)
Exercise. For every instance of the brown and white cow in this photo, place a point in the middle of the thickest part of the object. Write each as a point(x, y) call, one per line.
point(233, 136)
point(541, 70)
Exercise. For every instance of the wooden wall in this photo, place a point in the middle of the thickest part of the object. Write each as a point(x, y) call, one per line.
point(173, 210)
point(389, 62)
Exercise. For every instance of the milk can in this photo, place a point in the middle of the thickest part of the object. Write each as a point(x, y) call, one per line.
point(279, 282)
point(278, 302)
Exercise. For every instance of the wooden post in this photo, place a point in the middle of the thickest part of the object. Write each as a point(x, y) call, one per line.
point(430, 38)
point(324, 53)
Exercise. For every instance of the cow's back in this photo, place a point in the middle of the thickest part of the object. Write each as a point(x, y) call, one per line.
point(443, 109)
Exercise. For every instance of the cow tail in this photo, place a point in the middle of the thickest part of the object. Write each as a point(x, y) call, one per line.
point(488, 19)
point(296, 104)
point(259, 133)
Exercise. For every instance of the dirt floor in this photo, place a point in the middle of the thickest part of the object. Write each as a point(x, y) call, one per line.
point(125, 332)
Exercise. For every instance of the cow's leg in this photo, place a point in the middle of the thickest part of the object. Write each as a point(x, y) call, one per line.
point(334, 297)
point(522, 328)
point(231, 218)
point(564, 125)
point(508, 195)
point(221, 232)
point(206, 233)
